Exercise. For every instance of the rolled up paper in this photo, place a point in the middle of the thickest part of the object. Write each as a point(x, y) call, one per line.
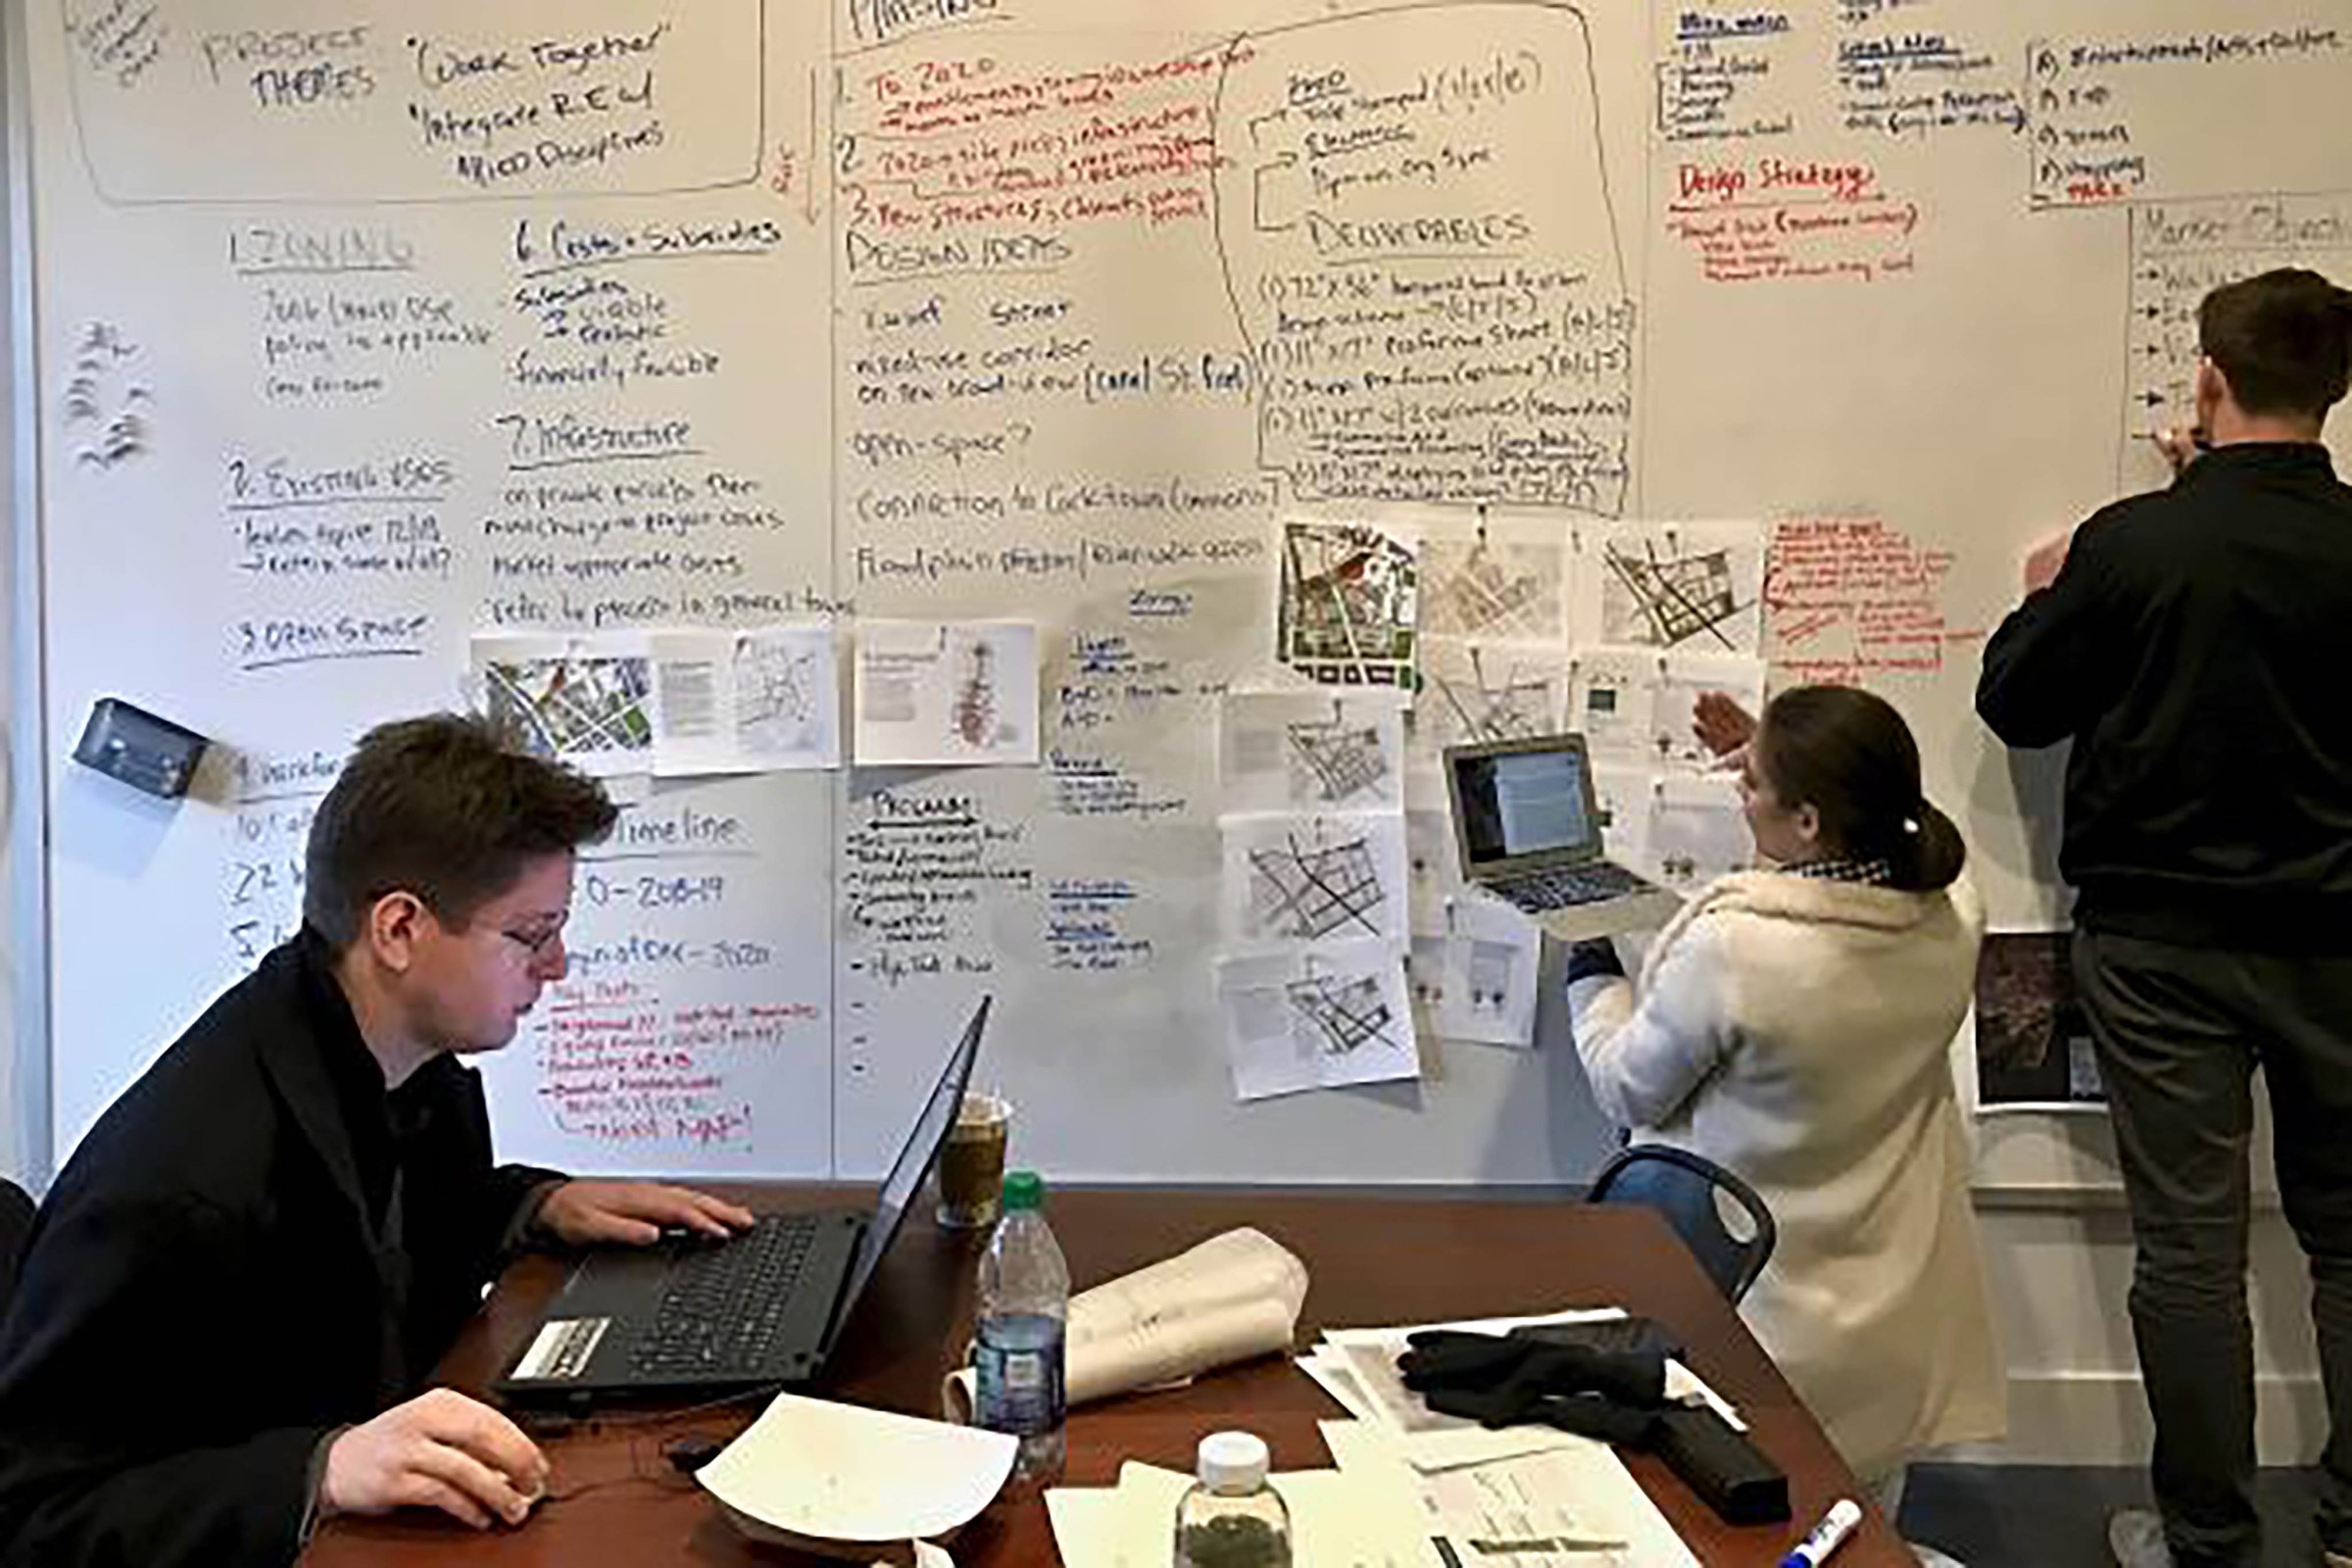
point(1232, 1297)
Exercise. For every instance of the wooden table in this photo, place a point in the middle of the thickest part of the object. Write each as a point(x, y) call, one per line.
point(1372, 1259)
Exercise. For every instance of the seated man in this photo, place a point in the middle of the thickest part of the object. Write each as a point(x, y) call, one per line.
point(240, 1280)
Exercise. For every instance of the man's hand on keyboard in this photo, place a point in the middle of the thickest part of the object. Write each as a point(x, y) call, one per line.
point(581, 1214)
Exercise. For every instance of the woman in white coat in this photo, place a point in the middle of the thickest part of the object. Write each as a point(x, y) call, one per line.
point(1794, 1024)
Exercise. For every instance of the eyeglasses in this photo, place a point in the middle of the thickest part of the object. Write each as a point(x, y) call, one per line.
point(535, 941)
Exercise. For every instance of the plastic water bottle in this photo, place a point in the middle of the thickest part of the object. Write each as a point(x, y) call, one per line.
point(1231, 1518)
point(1024, 1309)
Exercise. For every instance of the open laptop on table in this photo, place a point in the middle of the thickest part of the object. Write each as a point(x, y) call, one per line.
point(702, 1317)
point(1527, 825)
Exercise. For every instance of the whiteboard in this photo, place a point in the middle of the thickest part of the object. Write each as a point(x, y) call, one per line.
point(361, 332)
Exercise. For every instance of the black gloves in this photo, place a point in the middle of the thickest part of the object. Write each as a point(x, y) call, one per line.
point(1499, 1381)
point(1602, 1380)
point(1595, 956)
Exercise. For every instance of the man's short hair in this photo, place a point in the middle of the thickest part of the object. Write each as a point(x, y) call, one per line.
point(2282, 339)
point(444, 808)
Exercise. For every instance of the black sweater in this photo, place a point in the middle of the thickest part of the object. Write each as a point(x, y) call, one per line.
point(2197, 647)
point(222, 1274)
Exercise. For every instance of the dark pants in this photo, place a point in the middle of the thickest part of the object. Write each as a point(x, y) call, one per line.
point(2180, 1031)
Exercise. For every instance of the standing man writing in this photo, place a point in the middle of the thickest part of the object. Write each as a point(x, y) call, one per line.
point(237, 1286)
point(2193, 643)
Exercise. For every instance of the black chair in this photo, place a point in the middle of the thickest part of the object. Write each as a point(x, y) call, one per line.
point(16, 1224)
point(1687, 1190)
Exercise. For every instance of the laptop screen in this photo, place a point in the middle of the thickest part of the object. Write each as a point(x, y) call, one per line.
point(1533, 800)
point(914, 1160)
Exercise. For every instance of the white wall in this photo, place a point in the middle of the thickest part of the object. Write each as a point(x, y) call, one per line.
point(2057, 1240)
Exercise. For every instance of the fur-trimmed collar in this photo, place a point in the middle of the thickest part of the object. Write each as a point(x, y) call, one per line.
point(1779, 896)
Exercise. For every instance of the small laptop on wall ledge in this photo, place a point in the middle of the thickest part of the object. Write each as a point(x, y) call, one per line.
point(706, 1318)
point(1528, 828)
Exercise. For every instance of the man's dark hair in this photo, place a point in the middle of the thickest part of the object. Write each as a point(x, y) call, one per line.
point(445, 807)
point(2282, 339)
point(1849, 756)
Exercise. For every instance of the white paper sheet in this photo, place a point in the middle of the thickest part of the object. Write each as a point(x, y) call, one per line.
point(1319, 1017)
point(586, 700)
point(1311, 752)
point(1612, 699)
point(1688, 675)
point(1475, 692)
point(1328, 1366)
point(1425, 979)
point(825, 1476)
point(1086, 1526)
point(1433, 868)
point(1627, 799)
point(749, 700)
point(1578, 1495)
point(962, 692)
point(1316, 877)
point(1697, 833)
point(1487, 993)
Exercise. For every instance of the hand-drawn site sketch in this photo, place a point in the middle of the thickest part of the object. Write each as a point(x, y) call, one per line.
point(1344, 1014)
point(1472, 693)
point(1312, 751)
point(1337, 763)
point(1308, 878)
point(1308, 891)
point(777, 696)
point(784, 695)
point(1319, 1018)
point(1673, 584)
point(1348, 610)
point(1494, 586)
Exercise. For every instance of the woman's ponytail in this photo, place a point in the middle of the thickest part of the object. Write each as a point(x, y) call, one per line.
point(1932, 852)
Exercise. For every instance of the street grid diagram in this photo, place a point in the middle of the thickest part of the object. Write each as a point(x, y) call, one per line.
point(1473, 705)
point(775, 696)
point(1343, 1013)
point(1306, 892)
point(1336, 762)
point(1491, 591)
point(1665, 599)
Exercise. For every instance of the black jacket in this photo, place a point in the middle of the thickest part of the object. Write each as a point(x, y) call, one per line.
point(254, 1246)
point(2196, 648)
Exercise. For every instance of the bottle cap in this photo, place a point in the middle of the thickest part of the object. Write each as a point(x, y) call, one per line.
point(1025, 1189)
point(1232, 1463)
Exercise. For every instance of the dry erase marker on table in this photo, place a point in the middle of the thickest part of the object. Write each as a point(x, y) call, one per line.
point(1827, 1537)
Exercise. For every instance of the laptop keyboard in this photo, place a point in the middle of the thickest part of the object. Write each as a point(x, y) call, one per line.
point(722, 1306)
point(1570, 886)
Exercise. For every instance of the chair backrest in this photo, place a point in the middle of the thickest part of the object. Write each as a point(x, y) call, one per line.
point(15, 1226)
point(1689, 1191)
